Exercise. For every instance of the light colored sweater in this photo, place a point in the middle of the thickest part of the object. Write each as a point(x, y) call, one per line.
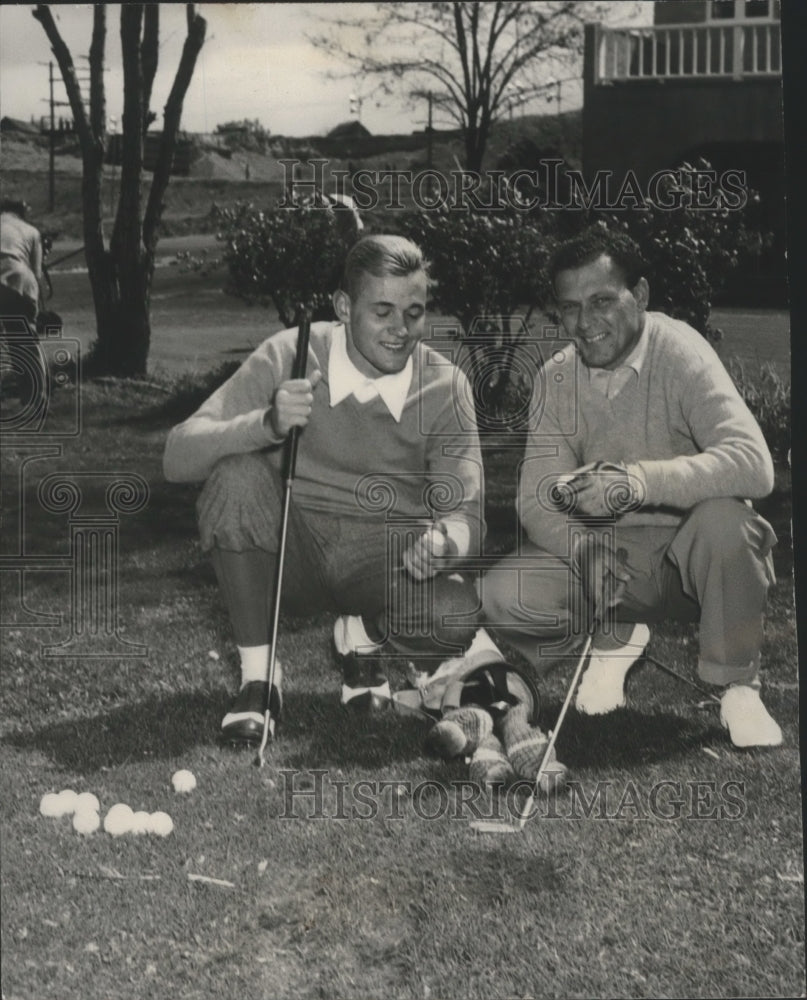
point(427, 464)
point(681, 428)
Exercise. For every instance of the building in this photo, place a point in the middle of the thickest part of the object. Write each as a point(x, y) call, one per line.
point(703, 81)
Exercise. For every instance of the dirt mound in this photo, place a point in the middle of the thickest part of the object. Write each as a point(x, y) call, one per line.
point(241, 166)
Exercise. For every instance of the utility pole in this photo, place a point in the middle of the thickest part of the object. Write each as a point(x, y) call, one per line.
point(429, 140)
point(52, 145)
point(53, 103)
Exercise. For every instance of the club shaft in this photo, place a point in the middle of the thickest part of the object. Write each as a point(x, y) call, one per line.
point(281, 558)
point(298, 371)
point(527, 807)
point(684, 680)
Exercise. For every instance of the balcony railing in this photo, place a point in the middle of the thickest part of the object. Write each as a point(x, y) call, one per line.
point(689, 50)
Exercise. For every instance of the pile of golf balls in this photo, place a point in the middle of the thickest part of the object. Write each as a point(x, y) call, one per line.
point(119, 820)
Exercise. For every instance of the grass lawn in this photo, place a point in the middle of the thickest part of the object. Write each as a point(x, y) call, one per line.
point(367, 890)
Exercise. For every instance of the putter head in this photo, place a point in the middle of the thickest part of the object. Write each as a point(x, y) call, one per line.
point(494, 826)
point(268, 736)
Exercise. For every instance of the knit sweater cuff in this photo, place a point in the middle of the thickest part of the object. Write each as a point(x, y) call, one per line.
point(638, 484)
point(267, 431)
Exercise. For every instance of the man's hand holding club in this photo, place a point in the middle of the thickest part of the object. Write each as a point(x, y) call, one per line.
point(291, 404)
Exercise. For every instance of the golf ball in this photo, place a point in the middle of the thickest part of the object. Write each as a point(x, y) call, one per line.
point(141, 822)
point(160, 824)
point(86, 822)
point(119, 820)
point(50, 805)
point(68, 799)
point(183, 781)
point(87, 802)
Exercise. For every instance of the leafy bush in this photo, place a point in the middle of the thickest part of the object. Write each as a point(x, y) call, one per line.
point(767, 396)
point(286, 256)
point(690, 251)
point(485, 268)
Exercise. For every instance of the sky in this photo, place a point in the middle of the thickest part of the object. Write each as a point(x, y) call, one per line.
point(257, 62)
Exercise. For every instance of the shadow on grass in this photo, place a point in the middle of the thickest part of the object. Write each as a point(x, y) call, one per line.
point(626, 738)
point(334, 735)
point(167, 727)
point(157, 728)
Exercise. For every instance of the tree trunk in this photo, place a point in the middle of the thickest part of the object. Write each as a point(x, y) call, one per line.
point(124, 336)
point(121, 277)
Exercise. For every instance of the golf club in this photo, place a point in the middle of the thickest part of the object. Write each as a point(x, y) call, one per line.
point(298, 371)
point(503, 826)
point(708, 695)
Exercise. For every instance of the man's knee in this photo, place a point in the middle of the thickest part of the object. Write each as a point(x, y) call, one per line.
point(239, 504)
point(456, 609)
point(441, 612)
point(727, 526)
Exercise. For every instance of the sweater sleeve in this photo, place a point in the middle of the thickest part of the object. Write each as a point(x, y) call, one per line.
point(231, 421)
point(733, 459)
point(455, 475)
point(552, 450)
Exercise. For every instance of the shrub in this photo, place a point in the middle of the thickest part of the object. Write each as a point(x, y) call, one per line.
point(767, 396)
point(690, 251)
point(485, 268)
point(286, 255)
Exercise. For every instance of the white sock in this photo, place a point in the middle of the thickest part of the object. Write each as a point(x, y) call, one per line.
point(254, 663)
point(482, 643)
point(350, 636)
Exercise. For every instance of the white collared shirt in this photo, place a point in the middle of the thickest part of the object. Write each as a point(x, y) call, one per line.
point(345, 379)
point(611, 381)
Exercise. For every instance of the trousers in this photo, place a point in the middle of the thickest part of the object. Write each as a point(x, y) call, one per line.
point(346, 565)
point(714, 568)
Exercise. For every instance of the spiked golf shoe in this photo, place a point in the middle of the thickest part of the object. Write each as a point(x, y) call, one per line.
point(748, 721)
point(243, 723)
point(602, 689)
point(365, 687)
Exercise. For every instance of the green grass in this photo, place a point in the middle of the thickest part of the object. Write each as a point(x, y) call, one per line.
point(401, 906)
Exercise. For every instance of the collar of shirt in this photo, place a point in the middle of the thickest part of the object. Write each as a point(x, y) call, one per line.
point(611, 381)
point(345, 379)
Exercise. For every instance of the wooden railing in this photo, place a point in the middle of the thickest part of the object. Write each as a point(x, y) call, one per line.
point(747, 49)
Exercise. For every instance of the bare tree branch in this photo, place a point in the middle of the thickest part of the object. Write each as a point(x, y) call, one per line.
point(43, 14)
point(149, 57)
point(129, 203)
point(97, 93)
point(197, 26)
point(473, 50)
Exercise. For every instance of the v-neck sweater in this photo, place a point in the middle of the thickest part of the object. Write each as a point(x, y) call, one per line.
point(680, 427)
point(354, 459)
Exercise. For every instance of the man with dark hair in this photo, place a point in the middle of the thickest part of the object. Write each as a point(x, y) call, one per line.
point(642, 442)
point(382, 439)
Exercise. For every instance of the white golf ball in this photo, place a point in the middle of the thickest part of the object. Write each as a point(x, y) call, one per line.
point(86, 822)
point(183, 781)
point(141, 822)
point(87, 802)
point(51, 805)
point(68, 799)
point(118, 820)
point(160, 824)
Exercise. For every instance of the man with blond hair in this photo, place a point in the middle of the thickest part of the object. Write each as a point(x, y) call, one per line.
point(381, 438)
